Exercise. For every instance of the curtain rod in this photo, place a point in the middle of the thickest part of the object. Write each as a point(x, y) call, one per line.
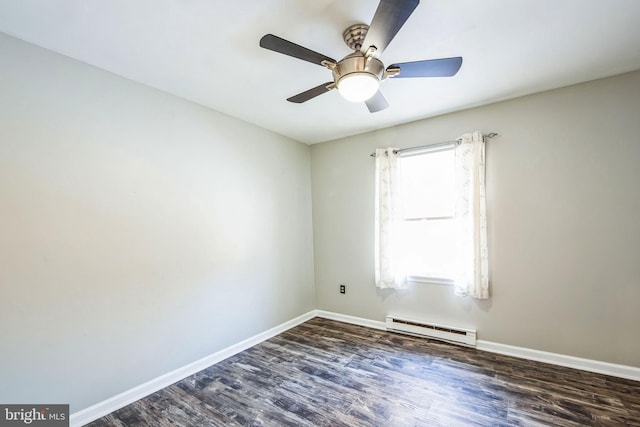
point(439, 144)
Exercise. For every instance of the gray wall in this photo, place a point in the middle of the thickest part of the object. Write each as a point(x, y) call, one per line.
point(138, 232)
point(564, 229)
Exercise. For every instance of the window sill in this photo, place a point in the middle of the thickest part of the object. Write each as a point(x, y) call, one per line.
point(432, 280)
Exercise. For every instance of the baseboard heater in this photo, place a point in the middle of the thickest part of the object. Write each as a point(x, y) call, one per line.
point(432, 330)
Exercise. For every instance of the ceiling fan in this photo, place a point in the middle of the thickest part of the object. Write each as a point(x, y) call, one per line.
point(358, 75)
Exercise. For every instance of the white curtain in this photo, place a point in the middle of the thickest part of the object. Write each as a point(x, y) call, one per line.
point(472, 272)
point(389, 269)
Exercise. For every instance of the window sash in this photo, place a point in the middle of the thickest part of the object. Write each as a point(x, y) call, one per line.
point(431, 262)
point(428, 185)
point(430, 218)
point(431, 280)
point(428, 272)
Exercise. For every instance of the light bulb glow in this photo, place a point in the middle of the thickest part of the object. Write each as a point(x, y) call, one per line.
point(358, 87)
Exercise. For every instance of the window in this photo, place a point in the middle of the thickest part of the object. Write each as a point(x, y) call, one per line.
point(416, 237)
point(428, 204)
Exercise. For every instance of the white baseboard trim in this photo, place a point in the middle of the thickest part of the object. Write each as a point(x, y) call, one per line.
point(125, 398)
point(374, 324)
point(621, 371)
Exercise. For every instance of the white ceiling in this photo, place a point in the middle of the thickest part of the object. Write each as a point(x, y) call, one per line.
point(207, 52)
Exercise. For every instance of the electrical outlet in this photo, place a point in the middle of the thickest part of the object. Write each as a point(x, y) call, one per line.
point(343, 289)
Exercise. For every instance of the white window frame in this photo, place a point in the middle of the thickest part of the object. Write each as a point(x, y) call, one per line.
point(417, 152)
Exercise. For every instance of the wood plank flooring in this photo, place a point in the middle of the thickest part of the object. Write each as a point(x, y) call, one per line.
point(327, 373)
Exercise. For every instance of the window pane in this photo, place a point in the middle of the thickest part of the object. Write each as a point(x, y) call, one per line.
point(430, 248)
point(428, 184)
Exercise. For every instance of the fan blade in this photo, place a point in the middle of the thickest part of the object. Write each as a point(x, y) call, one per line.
point(445, 67)
point(312, 93)
point(387, 21)
point(376, 103)
point(286, 47)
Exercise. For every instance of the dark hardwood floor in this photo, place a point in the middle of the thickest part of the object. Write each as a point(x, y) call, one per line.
point(327, 373)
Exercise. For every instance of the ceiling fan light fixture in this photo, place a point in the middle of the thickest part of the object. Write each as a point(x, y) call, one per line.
point(358, 87)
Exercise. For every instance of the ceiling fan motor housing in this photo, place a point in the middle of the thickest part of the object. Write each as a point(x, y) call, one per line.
point(356, 62)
